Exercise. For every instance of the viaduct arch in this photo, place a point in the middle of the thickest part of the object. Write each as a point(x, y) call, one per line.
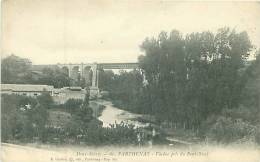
point(89, 72)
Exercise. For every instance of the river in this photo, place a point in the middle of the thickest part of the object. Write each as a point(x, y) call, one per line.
point(112, 115)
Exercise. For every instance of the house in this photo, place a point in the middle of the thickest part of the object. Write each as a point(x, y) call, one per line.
point(26, 89)
point(60, 96)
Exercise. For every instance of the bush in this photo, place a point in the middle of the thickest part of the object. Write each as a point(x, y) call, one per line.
point(250, 114)
point(22, 118)
point(257, 135)
point(73, 105)
point(45, 100)
point(227, 130)
point(31, 125)
point(116, 134)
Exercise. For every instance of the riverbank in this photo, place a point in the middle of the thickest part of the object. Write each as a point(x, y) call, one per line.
point(112, 114)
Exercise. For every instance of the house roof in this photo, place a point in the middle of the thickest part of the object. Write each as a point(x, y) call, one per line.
point(69, 90)
point(26, 87)
point(75, 88)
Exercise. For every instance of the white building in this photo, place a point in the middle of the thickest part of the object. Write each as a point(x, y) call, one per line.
point(26, 89)
point(60, 96)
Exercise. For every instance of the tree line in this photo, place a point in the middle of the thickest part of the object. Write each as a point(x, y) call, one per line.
point(193, 77)
point(201, 81)
point(17, 70)
point(27, 120)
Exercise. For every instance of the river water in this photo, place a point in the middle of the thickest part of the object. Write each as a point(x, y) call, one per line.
point(112, 115)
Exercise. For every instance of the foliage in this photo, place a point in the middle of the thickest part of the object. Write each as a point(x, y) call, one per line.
point(251, 77)
point(105, 81)
point(15, 70)
point(53, 76)
point(83, 116)
point(124, 88)
point(45, 100)
point(25, 119)
point(22, 118)
point(117, 134)
point(72, 104)
point(193, 77)
point(201, 80)
point(227, 130)
point(257, 135)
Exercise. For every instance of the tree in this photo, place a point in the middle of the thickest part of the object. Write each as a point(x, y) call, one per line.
point(250, 96)
point(84, 115)
point(15, 69)
point(125, 88)
point(45, 100)
point(9, 114)
point(106, 79)
point(22, 118)
point(73, 104)
point(55, 77)
point(164, 68)
point(193, 77)
point(38, 117)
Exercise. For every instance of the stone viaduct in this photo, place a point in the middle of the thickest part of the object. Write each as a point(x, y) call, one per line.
point(90, 71)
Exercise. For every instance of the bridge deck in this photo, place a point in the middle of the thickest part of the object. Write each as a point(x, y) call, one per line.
point(118, 65)
point(99, 65)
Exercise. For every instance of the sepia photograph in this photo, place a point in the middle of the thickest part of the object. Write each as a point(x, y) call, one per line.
point(130, 81)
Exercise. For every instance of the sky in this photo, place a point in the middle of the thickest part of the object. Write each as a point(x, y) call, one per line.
point(76, 31)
